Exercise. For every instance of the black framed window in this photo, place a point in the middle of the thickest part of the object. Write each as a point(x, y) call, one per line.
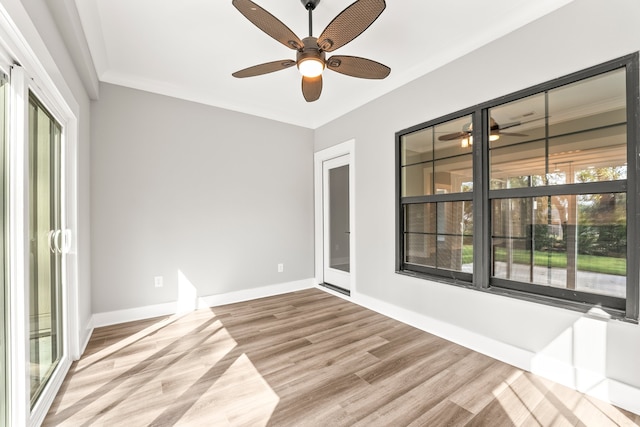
point(436, 168)
point(531, 194)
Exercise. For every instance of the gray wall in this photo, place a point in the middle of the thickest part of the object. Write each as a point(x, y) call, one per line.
point(179, 187)
point(582, 34)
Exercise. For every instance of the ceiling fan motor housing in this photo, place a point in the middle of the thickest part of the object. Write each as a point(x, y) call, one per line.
point(310, 51)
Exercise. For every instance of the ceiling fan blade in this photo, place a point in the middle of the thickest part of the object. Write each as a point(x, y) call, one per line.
point(453, 136)
point(512, 134)
point(358, 67)
point(350, 23)
point(268, 67)
point(312, 88)
point(268, 23)
point(514, 124)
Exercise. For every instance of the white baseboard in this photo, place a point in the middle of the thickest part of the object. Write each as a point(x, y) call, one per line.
point(254, 293)
point(620, 394)
point(131, 314)
point(170, 308)
point(609, 390)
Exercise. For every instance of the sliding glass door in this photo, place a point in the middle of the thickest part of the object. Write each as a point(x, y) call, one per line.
point(46, 239)
point(38, 189)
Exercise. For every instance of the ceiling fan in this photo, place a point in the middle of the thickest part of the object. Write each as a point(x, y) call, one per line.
point(495, 131)
point(310, 58)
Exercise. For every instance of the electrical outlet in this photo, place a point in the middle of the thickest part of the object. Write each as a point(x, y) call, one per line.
point(158, 281)
point(280, 268)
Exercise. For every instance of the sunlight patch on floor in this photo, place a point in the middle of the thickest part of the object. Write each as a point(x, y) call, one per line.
point(246, 397)
point(91, 359)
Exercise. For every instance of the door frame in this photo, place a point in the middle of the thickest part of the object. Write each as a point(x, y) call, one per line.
point(319, 157)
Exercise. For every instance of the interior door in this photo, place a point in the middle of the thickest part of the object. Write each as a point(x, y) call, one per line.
point(336, 223)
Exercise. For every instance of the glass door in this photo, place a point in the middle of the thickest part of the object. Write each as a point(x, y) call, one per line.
point(45, 237)
point(337, 231)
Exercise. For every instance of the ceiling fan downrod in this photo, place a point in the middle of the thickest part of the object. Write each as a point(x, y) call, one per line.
point(310, 5)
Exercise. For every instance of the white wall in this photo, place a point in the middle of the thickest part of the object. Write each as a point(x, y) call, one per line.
point(563, 344)
point(195, 194)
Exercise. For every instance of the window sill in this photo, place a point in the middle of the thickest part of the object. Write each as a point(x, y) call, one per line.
point(592, 310)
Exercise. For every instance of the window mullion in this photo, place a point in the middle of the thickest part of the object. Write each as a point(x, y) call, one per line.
point(481, 229)
point(633, 190)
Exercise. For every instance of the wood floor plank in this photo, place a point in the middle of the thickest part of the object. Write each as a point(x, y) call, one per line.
point(445, 413)
point(484, 388)
point(307, 359)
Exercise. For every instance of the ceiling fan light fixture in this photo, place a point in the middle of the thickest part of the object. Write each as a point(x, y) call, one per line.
point(494, 137)
point(311, 67)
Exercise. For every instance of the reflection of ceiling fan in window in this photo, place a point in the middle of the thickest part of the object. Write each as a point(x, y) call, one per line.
point(466, 138)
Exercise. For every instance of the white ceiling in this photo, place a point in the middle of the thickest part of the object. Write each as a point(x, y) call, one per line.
point(189, 48)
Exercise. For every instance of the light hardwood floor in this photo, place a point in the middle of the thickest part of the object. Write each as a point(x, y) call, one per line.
point(304, 359)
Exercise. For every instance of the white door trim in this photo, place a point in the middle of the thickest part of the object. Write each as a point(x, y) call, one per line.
point(345, 148)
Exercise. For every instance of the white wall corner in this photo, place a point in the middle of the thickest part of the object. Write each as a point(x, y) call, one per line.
point(67, 18)
point(86, 336)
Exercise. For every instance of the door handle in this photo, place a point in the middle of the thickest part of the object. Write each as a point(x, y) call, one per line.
point(56, 240)
point(50, 239)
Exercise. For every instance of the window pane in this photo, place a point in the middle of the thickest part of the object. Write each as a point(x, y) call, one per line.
point(455, 231)
point(589, 104)
point(420, 218)
point(518, 121)
point(590, 156)
point(602, 243)
point(455, 218)
point(454, 175)
point(453, 138)
point(417, 180)
point(417, 147)
point(572, 242)
point(517, 166)
point(420, 249)
point(455, 253)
